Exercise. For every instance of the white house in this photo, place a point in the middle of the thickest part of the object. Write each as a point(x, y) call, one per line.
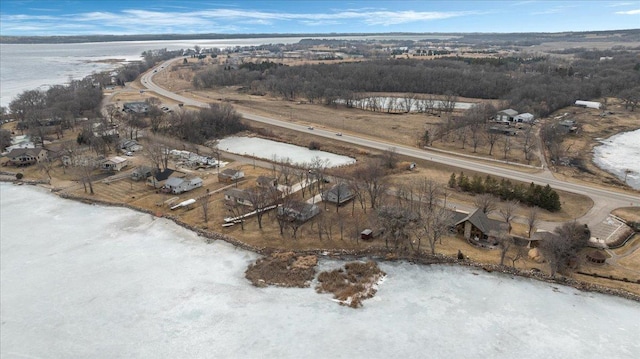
point(524, 117)
point(115, 163)
point(178, 185)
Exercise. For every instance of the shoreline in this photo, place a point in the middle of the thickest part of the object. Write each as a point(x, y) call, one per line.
point(377, 254)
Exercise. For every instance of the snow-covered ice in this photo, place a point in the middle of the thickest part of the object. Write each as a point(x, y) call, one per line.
point(82, 281)
point(621, 153)
point(267, 149)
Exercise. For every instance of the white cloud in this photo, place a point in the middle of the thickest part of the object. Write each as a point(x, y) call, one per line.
point(629, 12)
point(207, 20)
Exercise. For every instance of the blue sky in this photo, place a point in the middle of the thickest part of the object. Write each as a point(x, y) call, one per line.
point(79, 17)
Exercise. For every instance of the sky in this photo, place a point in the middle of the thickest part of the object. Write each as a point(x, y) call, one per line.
point(116, 17)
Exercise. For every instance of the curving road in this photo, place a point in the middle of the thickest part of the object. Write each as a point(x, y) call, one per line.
point(604, 200)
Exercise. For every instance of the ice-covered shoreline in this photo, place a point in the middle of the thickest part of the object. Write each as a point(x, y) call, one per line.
point(131, 285)
point(620, 155)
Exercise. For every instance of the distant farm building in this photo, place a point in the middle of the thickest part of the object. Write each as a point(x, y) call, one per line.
point(506, 115)
point(588, 104)
point(524, 118)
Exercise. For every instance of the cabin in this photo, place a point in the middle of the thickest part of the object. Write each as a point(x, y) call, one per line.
point(477, 227)
point(26, 156)
point(179, 185)
point(506, 115)
point(298, 211)
point(230, 175)
point(366, 235)
point(114, 164)
point(338, 194)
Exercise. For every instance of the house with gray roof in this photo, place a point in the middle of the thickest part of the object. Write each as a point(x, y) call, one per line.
point(477, 226)
point(506, 115)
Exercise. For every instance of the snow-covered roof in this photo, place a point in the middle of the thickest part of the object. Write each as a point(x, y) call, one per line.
point(524, 116)
point(174, 181)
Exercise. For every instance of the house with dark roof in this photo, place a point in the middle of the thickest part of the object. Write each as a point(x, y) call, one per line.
point(26, 156)
point(158, 179)
point(477, 226)
point(339, 194)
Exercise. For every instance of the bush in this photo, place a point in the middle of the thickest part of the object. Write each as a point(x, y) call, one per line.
point(19, 176)
point(314, 145)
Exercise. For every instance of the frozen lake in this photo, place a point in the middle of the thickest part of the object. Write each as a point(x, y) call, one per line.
point(82, 281)
point(619, 154)
point(267, 149)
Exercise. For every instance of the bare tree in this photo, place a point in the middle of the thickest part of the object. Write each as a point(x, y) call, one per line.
point(505, 241)
point(492, 138)
point(487, 203)
point(506, 145)
point(204, 204)
point(519, 252)
point(260, 200)
point(569, 239)
point(508, 212)
point(371, 175)
point(397, 222)
point(435, 224)
point(532, 220)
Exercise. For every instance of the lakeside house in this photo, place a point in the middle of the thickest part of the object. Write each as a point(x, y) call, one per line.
point(230, 175)
point(158, 179)
point(339, 194)
point(26, 156)
point(115, 163)
point(238, 196)
point(179, 185)
point(141, 173)
point(477, 226)
point(298, 211)
point(266, 182)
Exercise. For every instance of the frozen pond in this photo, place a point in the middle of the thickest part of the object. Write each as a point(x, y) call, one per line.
point(620, 155)
point(82, 281)
point(267, 149)
point(400, 104)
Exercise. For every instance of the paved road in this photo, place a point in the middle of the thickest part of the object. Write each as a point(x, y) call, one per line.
point(605, 200)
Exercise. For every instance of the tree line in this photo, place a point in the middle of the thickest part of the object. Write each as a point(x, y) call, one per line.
point(533, 195)
point(538, 85)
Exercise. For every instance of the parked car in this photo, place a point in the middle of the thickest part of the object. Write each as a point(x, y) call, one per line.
point(339, 134)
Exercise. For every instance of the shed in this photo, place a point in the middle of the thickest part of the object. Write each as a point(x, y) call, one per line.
point(366, 235)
